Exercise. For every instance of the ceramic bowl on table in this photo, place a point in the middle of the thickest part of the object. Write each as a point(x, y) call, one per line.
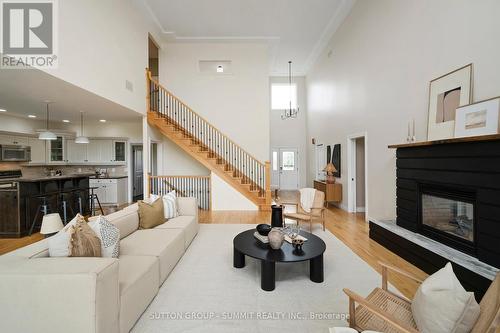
point(263, 229)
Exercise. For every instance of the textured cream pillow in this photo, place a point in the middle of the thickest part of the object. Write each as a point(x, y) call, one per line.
point(442, 305)
point(150, 215)
point(84, 241)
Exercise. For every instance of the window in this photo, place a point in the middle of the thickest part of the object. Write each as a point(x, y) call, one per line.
point(275, 161)
point(281, 94)
point(288, 161)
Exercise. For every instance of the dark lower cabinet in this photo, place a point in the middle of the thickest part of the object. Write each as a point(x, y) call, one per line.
point(18, 209)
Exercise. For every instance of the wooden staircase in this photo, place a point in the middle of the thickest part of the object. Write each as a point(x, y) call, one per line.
point(202, 141)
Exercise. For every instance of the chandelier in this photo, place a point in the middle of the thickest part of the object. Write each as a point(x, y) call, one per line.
point(290, 112)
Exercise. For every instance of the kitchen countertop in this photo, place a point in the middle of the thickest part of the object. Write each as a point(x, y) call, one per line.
point(45, 178)
point(109, 177)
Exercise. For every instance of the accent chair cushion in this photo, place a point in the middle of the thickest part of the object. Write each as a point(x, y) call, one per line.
point(442, 305)
point(150, 215)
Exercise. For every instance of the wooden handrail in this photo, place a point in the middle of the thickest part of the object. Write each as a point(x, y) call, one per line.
point(197, 114)
point(205, 177)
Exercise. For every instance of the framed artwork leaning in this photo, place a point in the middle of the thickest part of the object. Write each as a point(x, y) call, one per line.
point(446, 94)
point(480, 118)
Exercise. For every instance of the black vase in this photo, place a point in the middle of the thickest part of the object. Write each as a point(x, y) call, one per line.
point(277, 216)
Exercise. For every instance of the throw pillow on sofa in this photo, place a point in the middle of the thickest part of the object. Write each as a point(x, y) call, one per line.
point(150, 215)
point(170, 208)
point(442, 305)
point(59, 243)
point(83, 240)
point(108, 234)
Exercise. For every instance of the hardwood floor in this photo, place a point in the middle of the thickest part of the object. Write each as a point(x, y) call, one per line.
point(350, 228)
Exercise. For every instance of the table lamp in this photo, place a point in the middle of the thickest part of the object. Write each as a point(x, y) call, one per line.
point(330, 170)
point(51, 224)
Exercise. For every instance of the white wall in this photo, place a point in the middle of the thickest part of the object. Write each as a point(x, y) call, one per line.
point(292, 132)
point(376, 78)
point(225, 197)
point(102, 44)
point(237, 104)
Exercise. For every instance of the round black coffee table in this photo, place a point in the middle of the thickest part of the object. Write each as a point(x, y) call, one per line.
point(245, 244)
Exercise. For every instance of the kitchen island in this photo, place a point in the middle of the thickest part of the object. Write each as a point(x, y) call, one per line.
point(30, 197)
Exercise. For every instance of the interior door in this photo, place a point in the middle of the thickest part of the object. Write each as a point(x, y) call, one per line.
point(320, 161)
point(138, 172)
point(289, 171)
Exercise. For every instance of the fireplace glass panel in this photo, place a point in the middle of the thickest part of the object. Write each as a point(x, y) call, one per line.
point(451, 216)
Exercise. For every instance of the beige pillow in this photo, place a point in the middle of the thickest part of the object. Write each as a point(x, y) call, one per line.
point(83, 240)
point(150, 214)
point(442, 305)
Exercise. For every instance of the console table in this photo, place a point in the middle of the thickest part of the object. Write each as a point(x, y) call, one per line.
point(333, 192)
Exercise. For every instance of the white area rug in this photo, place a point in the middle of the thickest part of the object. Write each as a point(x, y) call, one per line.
point(204, 293)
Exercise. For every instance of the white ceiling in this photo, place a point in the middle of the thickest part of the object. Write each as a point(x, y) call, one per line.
point(23, 92)
point(296, 30)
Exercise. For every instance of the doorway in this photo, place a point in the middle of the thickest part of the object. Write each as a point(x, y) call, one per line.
point(285, 168)
point(153, 58)
point(137, 173)
point(357, 173)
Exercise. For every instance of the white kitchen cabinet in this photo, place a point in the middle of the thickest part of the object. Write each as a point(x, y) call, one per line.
point(38, 150)
point(110, 191)
point(100, 151)
point(13, 140)
point(76, 152)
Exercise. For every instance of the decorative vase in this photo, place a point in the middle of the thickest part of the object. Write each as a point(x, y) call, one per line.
point(277, 216)
point(276, 238)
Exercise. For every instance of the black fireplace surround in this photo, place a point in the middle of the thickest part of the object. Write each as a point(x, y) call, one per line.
point(465, 177)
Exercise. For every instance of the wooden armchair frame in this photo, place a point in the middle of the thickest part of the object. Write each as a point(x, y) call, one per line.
point(312, 216)
point(377, 311)
point(488, 321)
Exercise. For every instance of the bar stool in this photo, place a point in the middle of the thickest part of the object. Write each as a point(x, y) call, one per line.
point(43, 207)
point(77, 200)
point(93, 197)
point(63, 200)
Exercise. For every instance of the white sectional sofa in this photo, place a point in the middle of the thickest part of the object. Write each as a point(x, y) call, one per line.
point(93, 295)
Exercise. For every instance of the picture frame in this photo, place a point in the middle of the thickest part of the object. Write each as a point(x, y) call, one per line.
point(479, 118)
point(446, 94)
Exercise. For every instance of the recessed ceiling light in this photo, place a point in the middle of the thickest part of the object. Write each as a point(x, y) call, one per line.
point(3, 110)
point(65, 121)
point(31, 116)
point(220, 69)
point(102, 120)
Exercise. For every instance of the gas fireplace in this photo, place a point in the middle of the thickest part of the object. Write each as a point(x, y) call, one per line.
point(448, 215)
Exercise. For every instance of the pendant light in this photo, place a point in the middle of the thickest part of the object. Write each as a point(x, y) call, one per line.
point(290, 112)
point(81, 138)
point(47, 135)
